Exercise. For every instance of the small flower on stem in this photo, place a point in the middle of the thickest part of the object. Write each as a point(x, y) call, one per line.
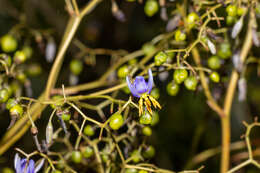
point(26, 166)
point(141, 89)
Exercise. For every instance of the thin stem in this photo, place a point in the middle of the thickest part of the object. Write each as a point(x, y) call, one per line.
point(225, 121)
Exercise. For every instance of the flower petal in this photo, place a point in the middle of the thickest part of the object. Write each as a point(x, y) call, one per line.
point(150, 81)
point(23, 165)
point(38, 165)
point(140, 85)
point(17, 160)
point(131, 87)
point(30, 168)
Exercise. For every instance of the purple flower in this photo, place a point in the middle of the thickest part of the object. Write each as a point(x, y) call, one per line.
point(26, 166)
point(140, 86)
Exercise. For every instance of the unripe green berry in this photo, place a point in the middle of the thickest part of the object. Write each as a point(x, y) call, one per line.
point(180, 36)
point(19, 57)
point(214, 76)
point(88, 152)
point(146, 118)
point(10, 103)
point(231, 10)
point(147, 131)
point(4, 95)
point(116, 121)
point(21, 77)
point(160, 58)
point(155, 118)
point(151, 7)
point(172, 88)
point(27, 51)
point(88, 130)
point(149, 152)
point(230, 20)
point(180, 75)
point(191, 19)
point(155, 93)
point(130, 170)
point(66, 116)
point(142, 171)
point(136, 157)
point(148, 48)
point(7, 170)
point(104, 157)
point(8, 60)
point(214, 62)
point(241, 11)
point(34, 70)
point(57, 103)
point(76, 66)
point(224, 50)
point(16, 110)
point(123, 71)
point(8, 43)
point(191, 83)
point(76, 156)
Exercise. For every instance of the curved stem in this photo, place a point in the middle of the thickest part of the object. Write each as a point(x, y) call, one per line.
point(225, 121)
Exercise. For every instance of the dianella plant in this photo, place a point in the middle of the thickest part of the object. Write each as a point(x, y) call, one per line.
point(129, 86)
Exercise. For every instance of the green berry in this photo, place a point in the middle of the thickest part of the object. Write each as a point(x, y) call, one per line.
point(180, 75)
point(34, 70)
point(149, 152)
point(132, 62)
point(104, 157)
point(148, 48)
point(88, 130)
point(11, 103)
point(147, 131)
point(126, 90)
point(88, 152)
point(4, 95)
point(155, 118)
point(214, 62)
point(16, 110)
point(7, 170)
point(76, 156)
point(160, 58)
point(21, 77)
point(151, 7)
point(230, 20)
point(191, 83)
point(8, 43)
point(146, 118)
point(57, 103)
point(231, 10)
point(27, 51)
point(136, 157)
point(19, 57)
point(66, 116)
point(76, 66)
point(241, 11)
point(130, 170)
point(172, 88)
point(116, 121)
point(224, 50)
point(214, 76)
point(155, 93)
point(123, 71)
point(8, 60)
point(191, 19)
point(180, 36)
point(142, 171)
